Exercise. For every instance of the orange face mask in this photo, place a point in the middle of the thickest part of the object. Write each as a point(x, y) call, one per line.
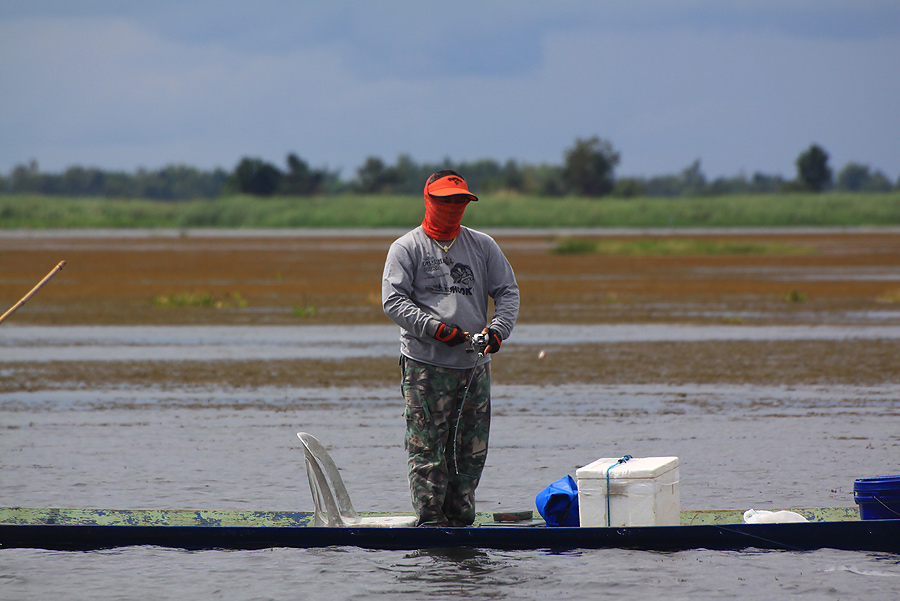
point(445, 201)
point(442, 218)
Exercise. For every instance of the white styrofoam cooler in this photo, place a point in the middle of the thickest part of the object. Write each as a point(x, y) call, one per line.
point(642, 492)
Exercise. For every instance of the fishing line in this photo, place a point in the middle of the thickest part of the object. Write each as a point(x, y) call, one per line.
point(777, 544)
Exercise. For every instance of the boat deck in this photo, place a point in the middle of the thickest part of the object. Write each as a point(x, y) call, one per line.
point(295, 519)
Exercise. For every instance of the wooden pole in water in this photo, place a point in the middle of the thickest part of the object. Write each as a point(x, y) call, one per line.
point(34, 290)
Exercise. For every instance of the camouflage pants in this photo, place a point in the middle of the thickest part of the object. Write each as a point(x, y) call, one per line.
point(445, 462)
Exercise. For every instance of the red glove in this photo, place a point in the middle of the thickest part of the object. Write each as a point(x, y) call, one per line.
point(494, 340)
point(451, 335)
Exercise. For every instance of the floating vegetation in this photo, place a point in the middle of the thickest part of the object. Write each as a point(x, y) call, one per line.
point(733, 320)
point(795, 296)
point(184, 299)
point(199, 299)
point(304, 311)
point(575, 246)
point(675, 247)
point(611, 298)
point(236, 300)
point(374, 298)
point(891, 297)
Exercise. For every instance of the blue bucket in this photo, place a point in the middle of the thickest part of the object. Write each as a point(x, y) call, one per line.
point(878, 498)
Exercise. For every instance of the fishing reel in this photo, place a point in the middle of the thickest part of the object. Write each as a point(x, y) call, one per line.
point(477, 344)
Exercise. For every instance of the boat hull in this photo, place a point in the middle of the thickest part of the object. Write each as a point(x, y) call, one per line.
point(102, 529)
point(882, 535)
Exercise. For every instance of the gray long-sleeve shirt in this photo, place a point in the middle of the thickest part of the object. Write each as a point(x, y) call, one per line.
point(424, 286)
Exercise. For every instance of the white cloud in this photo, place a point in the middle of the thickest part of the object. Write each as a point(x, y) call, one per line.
point(122, 89)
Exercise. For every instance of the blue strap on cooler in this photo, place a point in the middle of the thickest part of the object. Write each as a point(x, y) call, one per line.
point(619, 462)
point(558, 503)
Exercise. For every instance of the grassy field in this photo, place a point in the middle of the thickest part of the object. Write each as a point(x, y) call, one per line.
point(831, 209)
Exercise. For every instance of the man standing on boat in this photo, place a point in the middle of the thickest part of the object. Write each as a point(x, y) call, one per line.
point(437, 283)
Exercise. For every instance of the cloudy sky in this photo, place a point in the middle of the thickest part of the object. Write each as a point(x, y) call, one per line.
point(744, 85)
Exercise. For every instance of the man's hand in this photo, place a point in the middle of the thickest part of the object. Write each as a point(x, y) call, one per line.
point(451, 335)
point(494, 340)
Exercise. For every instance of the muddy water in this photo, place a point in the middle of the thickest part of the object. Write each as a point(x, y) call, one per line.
point(739, 447)
point(151, 446)
point(210, 343)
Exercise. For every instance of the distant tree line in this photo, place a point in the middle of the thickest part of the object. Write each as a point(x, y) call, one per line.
point(174, 182)
point(588, 169)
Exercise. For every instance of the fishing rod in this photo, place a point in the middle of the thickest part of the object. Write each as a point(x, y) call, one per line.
point(478, 343)
point(34, 290)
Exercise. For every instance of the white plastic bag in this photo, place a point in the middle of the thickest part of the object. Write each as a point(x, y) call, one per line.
point(752, 516)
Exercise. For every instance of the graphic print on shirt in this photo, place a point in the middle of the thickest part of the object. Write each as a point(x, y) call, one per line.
point(432, 265)
point(462, 275)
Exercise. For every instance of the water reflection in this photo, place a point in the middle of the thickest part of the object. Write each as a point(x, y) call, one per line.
point(454, 572)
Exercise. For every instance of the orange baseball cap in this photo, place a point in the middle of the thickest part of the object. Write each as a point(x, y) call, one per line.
point(448, 185)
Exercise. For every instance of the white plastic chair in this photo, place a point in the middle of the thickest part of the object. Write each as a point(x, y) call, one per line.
point(333, 505)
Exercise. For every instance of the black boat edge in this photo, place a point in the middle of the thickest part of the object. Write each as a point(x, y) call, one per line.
point(874, 535)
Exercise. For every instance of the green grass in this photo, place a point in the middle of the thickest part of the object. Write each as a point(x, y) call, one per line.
point(184, 299)
point(304, 310)
point(199, 299)
point(891, 297)
point(830, 209)
point(795, 296)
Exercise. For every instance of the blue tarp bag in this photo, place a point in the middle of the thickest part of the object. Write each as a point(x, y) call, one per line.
point(558, 503)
